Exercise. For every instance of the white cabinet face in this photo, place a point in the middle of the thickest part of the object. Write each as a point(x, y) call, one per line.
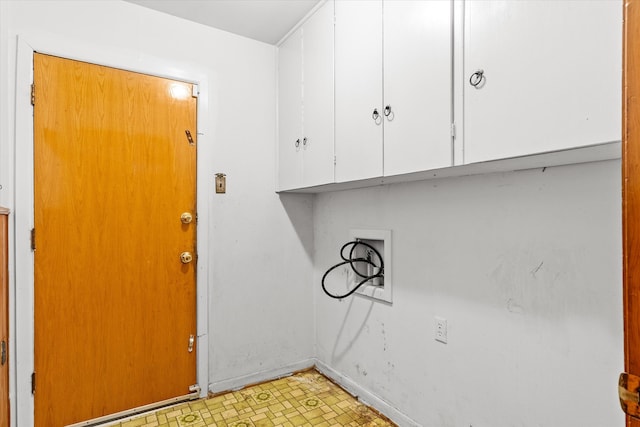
point(290, 112)
point(551, 76)
point(318, 102)
point(305, 103)
point(358, 89)
point(367, 87)
point(417, 85)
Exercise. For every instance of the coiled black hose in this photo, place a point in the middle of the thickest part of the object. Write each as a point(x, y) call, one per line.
point(352, 261)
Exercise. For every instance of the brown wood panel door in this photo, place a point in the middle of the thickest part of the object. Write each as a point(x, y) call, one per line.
point(631, 197)
point(115, 306)
point(4, 318)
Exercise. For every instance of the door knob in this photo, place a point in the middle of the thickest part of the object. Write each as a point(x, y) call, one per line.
point(186, 218)
point(186, 257)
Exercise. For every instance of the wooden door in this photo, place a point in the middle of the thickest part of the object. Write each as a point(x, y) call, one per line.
point(114, 304)
point(631, 202)
point(4, 318)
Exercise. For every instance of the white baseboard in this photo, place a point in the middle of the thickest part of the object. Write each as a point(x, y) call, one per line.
point(259, 377)
point(366, 396)
point(345, 382)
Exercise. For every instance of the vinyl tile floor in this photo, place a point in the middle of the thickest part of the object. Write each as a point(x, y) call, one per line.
point(306, 399)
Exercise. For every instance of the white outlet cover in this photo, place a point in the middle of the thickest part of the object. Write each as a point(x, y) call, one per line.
point(440, 329)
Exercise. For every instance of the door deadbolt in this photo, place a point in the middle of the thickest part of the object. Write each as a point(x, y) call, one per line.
point(186, 218)
point(186, 257)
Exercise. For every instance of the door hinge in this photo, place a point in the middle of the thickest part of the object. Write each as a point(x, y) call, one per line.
point(628, 393)
point(33, 94)
point(335, 160)
point(453, 130)
point(195, 91)
point(33, 383)
point(3, 352)
point(33, 239)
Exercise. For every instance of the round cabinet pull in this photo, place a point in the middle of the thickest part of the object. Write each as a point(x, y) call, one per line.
point(387, 111)
point(304, 141)
point(186, 218)
point(375, 115)
point(297, 143)
point(477, 78)
point(186, 257)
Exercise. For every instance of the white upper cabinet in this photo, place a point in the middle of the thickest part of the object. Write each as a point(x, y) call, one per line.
point(358, 89)
point(318, 102)
point(290, 112)
point(548, 76)
point(393, 87)
point(383, 91)
point(305, 104)
point(417, 85)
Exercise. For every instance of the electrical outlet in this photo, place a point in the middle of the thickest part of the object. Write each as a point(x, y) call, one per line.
point(441, 329)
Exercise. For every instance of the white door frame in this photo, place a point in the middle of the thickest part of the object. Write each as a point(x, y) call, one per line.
point(22, 325)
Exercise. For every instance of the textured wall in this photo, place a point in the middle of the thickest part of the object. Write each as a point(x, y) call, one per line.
point(526, 268)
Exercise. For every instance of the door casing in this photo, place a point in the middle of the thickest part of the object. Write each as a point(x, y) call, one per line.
point(630, 180)
point(22, 302)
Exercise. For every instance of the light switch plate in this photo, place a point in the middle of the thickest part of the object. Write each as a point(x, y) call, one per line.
point(221, 183)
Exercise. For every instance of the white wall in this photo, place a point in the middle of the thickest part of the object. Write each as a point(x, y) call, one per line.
point(526, 268)
point(260, 317)
point(5, 133)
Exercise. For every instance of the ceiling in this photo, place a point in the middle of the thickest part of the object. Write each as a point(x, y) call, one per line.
point(264, 20)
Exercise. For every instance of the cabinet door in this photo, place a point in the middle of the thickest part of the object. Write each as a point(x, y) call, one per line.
point(358, 89)
point(290, 112)
point(551, 76)
point(417, 85)
point(318, 101)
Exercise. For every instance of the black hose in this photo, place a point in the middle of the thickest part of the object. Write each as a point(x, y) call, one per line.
point(351, 261)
